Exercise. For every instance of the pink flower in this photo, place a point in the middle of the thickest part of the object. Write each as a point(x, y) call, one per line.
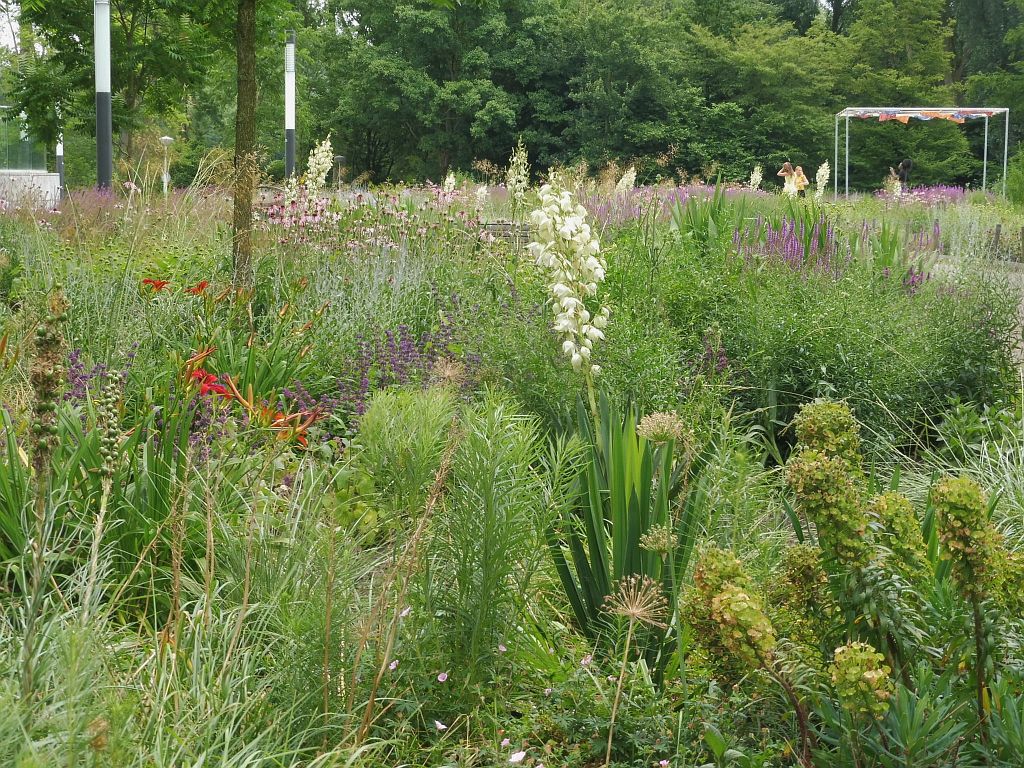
point(505, 742)
point(442, 677)
point(517, 757)
point(502, 648)
point(585, 661)
point(663, 763)
point(405, 612)
point(393, 665)
point(440, 726)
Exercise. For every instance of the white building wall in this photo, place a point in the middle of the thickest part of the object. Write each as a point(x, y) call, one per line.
point(34, 188)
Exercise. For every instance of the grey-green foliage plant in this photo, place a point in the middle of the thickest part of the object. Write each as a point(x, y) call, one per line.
point(630, 488)
point(401, 440)
point(487, 536)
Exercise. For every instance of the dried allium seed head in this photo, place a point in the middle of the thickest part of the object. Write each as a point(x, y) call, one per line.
point(659, 539)
point(638, 598)
point(661, 427)
point(448, 373)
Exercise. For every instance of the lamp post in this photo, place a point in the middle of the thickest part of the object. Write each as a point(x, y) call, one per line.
point(166, 141)
point(289, 105)
point(60, 164)
point(339, 163)
point(104, 120)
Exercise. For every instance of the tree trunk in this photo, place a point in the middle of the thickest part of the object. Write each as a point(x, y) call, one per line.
point(245, 142)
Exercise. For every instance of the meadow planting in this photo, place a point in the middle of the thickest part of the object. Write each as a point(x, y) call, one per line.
point(522, 469)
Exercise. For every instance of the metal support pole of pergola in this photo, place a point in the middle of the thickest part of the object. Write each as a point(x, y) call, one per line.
point(984, 160)
point(1006, 148)
point(846, 173)
point(835, 166)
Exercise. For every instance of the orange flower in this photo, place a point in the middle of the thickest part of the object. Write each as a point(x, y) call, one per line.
point(156, 285)
point(199, 288)
point(200, 356)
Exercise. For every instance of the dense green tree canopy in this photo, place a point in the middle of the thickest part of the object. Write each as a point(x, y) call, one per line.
point(410, 89)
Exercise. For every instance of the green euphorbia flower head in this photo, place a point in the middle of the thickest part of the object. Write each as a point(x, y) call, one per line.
point(862, 680)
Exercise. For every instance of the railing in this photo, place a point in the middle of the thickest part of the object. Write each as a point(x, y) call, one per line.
point(18, 152)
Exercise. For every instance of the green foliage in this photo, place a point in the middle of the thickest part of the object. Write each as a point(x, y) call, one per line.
point(828, 495)
point(401, 441)
point(486, 538)
point(962, 513)
point(625, 491)
point(726, 611)
point(899, 530)
point(830, 429)
point(862, 681)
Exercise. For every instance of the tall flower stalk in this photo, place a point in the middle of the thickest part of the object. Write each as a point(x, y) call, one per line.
point(320, 159)
point(566, 246)
point(756, 176)
point(46, 375)
point(517, 179)
point(821, 181)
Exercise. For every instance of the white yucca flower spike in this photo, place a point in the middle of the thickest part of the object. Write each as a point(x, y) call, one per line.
point(320, 159)
point(756, 176)
point(627, 182)
point(821, 181)
point(568, 249)
point(481, 197)
point(449, 183)
point(517, 178)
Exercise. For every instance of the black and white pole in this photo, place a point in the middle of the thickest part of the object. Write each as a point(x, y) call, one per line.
point(104, 119)
point(289, 105)
point(60, 165)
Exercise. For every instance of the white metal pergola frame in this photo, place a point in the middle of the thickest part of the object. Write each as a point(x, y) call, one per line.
point(905, 114)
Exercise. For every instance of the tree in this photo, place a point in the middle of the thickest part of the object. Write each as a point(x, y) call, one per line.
point(840, 14)
point(245, 141)
point(159, 52)
point(901, 58)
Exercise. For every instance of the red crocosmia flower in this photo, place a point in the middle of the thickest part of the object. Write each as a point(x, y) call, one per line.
point(199, 288)
point(156, 285)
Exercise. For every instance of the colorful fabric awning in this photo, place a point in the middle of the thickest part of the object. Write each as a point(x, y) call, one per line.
point(905, 114)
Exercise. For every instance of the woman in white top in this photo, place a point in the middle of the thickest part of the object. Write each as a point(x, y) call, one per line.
point(789, 187)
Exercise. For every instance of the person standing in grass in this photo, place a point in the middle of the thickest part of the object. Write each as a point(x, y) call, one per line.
point(789, 179)
point(903, 172)
point(801, 181)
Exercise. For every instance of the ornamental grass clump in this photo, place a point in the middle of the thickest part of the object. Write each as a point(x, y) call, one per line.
point(570, 251)
point(862, 680)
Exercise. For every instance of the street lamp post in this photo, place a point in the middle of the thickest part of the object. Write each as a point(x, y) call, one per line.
point(289, 106)
point(339, 163)
point(166, 141)
point(60, 164)
point(104, 119)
